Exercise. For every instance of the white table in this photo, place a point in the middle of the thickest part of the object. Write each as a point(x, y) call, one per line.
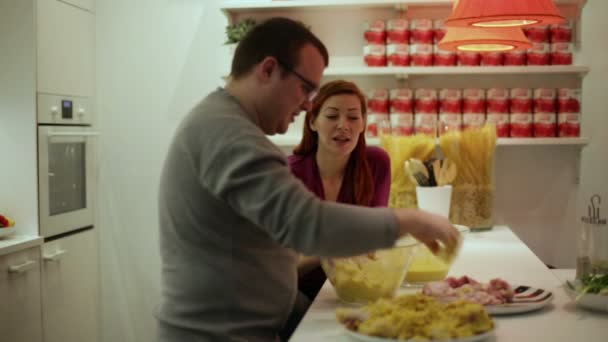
point(486, 255)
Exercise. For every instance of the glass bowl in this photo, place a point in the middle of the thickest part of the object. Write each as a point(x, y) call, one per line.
point(425, 266)
point(365, 278)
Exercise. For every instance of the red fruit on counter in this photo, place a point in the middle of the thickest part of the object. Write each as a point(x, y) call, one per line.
point(3, 222)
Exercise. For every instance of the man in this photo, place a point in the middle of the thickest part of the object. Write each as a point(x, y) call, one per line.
point(232, 216)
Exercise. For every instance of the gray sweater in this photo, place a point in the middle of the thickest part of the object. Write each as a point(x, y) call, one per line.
point(231, 218)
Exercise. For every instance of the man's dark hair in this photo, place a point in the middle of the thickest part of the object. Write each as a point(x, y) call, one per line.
point(281, 38)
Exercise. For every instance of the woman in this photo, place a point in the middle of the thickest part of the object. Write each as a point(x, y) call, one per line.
point(333, 161)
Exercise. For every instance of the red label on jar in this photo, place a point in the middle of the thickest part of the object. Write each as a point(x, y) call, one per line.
point(449, 123)
point(375, 32)
point(421, 54)
point(539, 54)
point(377, 101)
point(444, 57)
point(473, 120)
point(402, 124)
point(398, 54)
point(545, 125)
point(468, 58)
point(561, 54)
point(376, 124)
point(497, 100)
point(569, 100)
point(473, 101)
point(439, 30)
point(521, 125)
point(425, 124)
point(374, 55)
point(421, 31)
point(521, 100)
point(402, 101)
point(514, 58)
point(492, 58)
point(569, 124)
point(450, 101)
point(537, 34)
point(425, 101)
point(561, 33)
point(398, 31)
point(501, 121)
point(544, 100)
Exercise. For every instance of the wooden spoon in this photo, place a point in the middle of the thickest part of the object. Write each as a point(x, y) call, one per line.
point(448, 172)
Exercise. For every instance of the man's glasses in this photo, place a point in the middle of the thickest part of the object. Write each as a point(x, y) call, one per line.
point(310, 87)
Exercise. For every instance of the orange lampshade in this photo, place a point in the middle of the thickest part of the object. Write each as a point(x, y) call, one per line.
point(484, 39)
point(503, 13)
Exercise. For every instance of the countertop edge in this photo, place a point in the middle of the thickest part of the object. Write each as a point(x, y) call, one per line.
point(18, 243)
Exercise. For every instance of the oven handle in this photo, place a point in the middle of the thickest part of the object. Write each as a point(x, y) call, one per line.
point(72, 134)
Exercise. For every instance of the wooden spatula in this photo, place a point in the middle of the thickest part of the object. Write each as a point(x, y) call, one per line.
point(447, 173)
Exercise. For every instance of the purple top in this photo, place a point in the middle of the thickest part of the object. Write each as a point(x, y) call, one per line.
point(305, 168)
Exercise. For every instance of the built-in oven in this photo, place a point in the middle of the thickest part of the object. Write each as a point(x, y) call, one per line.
point(66, 164)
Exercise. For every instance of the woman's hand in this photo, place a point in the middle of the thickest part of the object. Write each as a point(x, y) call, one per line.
point(428, 228)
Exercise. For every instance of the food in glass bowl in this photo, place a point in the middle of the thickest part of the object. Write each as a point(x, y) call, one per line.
point(427, 267)
point(365, 278)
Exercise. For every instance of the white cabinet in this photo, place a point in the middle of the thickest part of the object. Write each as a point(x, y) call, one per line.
point(20, 319)
point(65, 42)
point(70, 288)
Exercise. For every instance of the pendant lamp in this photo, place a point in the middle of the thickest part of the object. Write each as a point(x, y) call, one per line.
point(484, 39)
point(503, 13)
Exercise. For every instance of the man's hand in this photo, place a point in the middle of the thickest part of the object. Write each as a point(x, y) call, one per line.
point(430, 229)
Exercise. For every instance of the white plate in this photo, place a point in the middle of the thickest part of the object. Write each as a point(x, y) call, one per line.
point(590, 301)
point(6, 231)
point(365, 338)
point(526, 299)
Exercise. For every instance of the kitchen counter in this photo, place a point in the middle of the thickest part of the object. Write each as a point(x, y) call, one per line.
point(15, 243)
point(486, 255)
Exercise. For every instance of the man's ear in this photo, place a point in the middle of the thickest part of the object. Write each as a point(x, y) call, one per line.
point(265, 68)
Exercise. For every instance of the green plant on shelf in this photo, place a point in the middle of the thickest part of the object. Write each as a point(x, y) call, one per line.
point(236, 32)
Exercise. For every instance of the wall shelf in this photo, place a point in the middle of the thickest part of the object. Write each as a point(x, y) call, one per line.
point(288, 140)
point(404, 72)
point(235, 6)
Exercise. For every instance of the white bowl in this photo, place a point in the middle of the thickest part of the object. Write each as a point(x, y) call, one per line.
point(590, 301)
point(6, 231)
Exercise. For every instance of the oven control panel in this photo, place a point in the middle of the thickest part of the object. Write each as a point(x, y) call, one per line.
point(64, 110)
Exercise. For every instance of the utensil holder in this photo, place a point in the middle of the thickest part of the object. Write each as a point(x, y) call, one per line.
point(435, 199)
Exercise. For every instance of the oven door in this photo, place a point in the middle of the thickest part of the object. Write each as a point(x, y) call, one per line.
point(66, 178)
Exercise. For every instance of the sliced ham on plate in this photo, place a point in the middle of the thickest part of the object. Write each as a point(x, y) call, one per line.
point(496, 292)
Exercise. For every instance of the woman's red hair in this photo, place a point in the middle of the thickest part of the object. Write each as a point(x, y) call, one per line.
point(358, 172)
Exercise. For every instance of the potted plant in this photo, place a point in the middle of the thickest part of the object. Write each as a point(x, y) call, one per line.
point(234, 34)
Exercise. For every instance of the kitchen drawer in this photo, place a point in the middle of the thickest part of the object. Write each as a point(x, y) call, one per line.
point(70, 288)
point(20, 298)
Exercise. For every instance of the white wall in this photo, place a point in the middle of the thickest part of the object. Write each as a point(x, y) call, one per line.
point(156, 59)
point(18, 177)
point(595, 106)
